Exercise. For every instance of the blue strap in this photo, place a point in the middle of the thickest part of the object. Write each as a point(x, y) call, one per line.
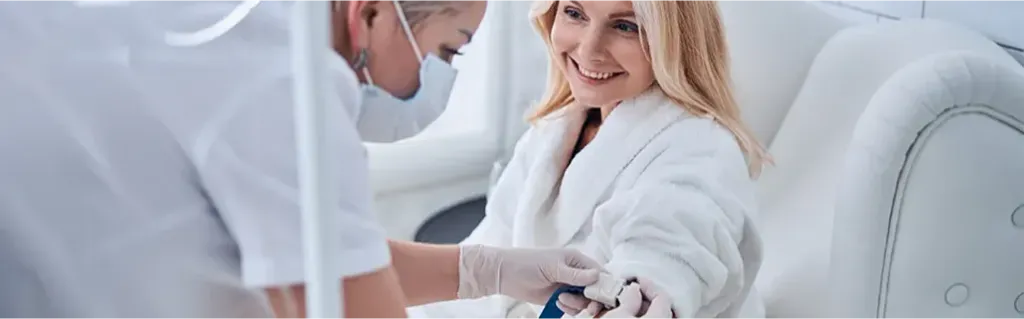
point(551, 307)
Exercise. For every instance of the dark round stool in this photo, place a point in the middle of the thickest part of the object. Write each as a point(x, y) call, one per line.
point(452, 225)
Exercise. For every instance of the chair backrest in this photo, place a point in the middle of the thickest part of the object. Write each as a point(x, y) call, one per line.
point(772, 45)
point(798, 194)
point(929, 217)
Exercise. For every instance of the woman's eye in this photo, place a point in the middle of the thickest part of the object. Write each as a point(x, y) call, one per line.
point(448, 53)
point(573, 13)
point(627, 27)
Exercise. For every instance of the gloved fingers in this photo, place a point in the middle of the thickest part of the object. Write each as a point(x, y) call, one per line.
point(630, 297)
point(648, 288)
point(572, 303)
point(594, 308)
point(576, 276)
point(661, 307)
point(576, 259)
point(569, 310)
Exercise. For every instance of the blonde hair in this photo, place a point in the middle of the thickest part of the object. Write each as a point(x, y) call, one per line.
point(685, 43)
point(416, 13)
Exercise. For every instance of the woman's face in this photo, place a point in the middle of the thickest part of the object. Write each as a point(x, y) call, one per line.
point(393, 64)
point(598, 43)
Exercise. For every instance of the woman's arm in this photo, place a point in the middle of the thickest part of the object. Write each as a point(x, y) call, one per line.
point(427, 273)
point(371, 295)
point(682, 225)
point(424, 273)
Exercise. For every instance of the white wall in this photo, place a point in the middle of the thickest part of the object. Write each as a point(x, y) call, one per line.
point(1003, 21)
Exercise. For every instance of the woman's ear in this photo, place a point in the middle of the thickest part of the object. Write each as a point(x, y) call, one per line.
point(361, 15)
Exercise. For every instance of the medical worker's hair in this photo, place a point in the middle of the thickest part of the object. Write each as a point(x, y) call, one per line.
point(416, 12)
point(685, 43)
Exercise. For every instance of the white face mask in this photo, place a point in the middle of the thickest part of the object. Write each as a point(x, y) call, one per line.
point(436, 80)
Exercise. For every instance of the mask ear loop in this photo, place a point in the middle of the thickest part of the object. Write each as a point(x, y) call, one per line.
point(408, 31)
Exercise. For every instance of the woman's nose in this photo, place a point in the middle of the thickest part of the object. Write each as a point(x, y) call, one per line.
point(591, 46)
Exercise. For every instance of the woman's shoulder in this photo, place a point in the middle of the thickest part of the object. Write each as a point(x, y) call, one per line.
point(698, 133)
point(701, 139)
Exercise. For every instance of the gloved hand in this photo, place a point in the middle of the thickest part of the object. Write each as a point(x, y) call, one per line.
point(635, 299)
point(526, 274)
point(631, 303)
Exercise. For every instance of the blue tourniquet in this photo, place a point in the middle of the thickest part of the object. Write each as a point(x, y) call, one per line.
point(551, 308)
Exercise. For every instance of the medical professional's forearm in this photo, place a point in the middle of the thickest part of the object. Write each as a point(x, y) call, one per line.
point(428, 273)
point(372, 295)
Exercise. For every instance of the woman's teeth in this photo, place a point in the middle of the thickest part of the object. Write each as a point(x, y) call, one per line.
point(594, 75)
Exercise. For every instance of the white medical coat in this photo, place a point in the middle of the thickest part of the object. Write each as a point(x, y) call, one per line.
point(658, 194)
point(139, 179)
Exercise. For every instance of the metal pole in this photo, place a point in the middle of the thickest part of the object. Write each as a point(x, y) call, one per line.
point(310, 42)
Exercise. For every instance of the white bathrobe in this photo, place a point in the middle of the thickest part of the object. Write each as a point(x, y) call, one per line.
point(659, 194)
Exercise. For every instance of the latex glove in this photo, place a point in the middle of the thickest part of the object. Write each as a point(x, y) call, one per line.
point(605, 291)
point(526, 274)
point(632, 305)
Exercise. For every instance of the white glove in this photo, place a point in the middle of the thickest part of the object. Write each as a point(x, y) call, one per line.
point(631, 304)
point(606, 291)
point(526, 274)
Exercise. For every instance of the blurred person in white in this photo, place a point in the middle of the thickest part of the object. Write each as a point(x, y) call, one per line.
point(150, 171)
point(637, 156)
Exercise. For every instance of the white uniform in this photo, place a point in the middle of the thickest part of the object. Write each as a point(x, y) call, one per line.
point(139, 179)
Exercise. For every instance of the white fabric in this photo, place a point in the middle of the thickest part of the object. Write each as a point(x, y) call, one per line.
point(658, 194)
point(926, 203)
point(798, 194)
point(145, 180)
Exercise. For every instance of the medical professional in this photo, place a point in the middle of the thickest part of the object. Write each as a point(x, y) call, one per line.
point(148, 161)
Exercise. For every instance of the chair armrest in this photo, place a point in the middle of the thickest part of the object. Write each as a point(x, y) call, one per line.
point(932, 176)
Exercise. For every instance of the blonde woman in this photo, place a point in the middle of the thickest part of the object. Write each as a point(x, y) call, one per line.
point(637, 156)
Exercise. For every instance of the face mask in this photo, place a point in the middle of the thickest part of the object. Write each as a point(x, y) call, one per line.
point(386, 118)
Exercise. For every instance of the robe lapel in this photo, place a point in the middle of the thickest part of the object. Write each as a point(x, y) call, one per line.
point(551, 152)
point(625, 132)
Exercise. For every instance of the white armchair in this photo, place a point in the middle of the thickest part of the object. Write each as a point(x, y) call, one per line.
point(929, 217)
point(815, 90)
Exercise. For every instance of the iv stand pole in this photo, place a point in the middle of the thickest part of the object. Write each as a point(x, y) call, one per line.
point(310, 44)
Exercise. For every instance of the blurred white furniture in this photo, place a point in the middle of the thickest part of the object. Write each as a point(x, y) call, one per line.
point(841, 107)
point(929, 217)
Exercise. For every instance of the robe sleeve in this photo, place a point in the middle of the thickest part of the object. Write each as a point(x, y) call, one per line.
point(681, 225)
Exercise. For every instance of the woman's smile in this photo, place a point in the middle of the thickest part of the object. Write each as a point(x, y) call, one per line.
point(591, 76)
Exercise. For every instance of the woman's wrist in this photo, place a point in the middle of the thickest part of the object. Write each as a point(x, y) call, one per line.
point(477, 274)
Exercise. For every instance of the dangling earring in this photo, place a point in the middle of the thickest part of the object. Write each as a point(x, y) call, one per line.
point(361, 57)
point(361, 62)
